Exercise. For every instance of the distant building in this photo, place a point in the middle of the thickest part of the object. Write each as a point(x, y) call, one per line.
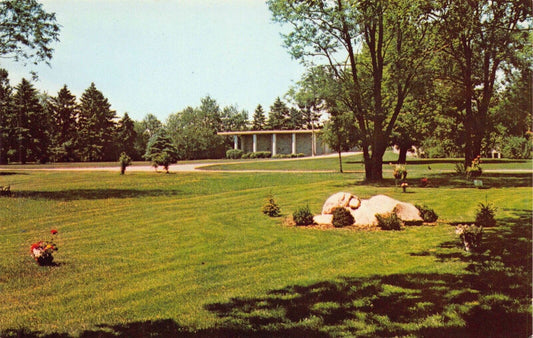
point(279, 142)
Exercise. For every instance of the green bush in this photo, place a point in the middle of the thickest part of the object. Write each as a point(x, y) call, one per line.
point(261, 154)
point(125, 161)
point(427, 214)
point(485, 215)
point(303, 216)
point(389, 221)
point(470, 235)
point(342, 218)
point(271, 208)
point(234, 154)
point(246, 155)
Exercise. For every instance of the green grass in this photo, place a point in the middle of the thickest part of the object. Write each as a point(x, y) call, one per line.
point(192, 254)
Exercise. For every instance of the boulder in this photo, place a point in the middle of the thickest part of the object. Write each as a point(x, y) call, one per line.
point(340, 200)
point(323, 219)
point(366, 210)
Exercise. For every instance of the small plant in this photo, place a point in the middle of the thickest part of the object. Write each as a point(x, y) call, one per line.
point(5, 190)
point(271, 208)
point(389, 221)
point(474, 170)
point(470, 235)
point(427, 214)
point(125, 161)
point(42, 251)
point(342, 218)
point(399, 173)
point(485, 215)
point(303, 216)
point(460, 169)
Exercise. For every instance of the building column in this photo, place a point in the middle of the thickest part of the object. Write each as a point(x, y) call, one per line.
point(313, 144)
point(274, 145)
point(254, 143)
point(294, 143)
point(235, 142)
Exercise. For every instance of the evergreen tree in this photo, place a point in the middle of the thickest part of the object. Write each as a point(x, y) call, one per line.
point(97, 126)
point(64, 111)
point(29, 125)
point(259, 119)
point(126, 136)
point(296, 119)
point(161, 151)
point(5, 114)
point(278, 116)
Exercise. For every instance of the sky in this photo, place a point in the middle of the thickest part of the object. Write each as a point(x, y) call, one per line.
point(160, 56)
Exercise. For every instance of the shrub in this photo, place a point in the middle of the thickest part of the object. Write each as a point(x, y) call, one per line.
point(261, 154)
point(234, 154)
point(125, 161)
point(342, 218)
point(460, 168)
point(400, 172)
point(303, 216)
point(427, 214)
point(485, 215)
point(271, 208)
point(470, 235)
point(246, 155)
point(389, 221)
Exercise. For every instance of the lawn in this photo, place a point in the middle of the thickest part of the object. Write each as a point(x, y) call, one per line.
point(190, 254)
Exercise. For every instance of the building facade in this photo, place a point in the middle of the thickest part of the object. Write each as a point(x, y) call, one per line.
point(279, 142)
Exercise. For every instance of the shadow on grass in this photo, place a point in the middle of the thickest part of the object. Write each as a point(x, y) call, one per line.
point(490, 298)
point(452, 180)
point(93, 194)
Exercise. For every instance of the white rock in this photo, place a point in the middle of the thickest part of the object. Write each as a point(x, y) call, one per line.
point(323, 219)
point(340, 200)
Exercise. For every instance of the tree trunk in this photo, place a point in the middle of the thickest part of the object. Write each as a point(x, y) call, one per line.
point(402, 156)
point(340, 162)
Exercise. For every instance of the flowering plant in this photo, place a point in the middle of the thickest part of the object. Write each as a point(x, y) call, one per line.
point(399, 172)
point(470, 235)
point(474, 170)
point(42, 251)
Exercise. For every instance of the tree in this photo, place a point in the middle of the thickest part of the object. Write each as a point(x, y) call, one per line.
point(6, 104)
point(27, 32)
point(64, 110)
point(161, 151)
point(30, 124)
point(479, 39)
point(371, 48)
point(259, 119)
point(97, 126)
point(340, 133)
point(232, 119)
point(278, 115)
point(126, 136)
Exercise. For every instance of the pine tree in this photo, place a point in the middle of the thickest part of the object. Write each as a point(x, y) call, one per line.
point(5, 114)
point(126, 136)
point(97, 126)
point(259, 119)
point(29, 125)
point(161, 151)
point(64, 111)
point(278, 116)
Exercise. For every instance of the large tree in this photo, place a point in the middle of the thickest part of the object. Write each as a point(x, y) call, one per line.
point(374, 49)
point(126, 136)
point(27, 31)
point(259, 118)
point(97, 126)
point(29, 125)
point(5, 113)
point(278, 115)
point(64, 110)
point(479, 39)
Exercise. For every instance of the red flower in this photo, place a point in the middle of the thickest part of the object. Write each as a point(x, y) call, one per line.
point(53, 231)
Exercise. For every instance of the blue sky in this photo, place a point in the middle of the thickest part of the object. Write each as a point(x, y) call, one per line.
point(160, 56)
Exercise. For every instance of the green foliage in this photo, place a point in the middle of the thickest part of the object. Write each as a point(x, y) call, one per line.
point(261, 154)
point(303, 216)
point(259, 119)
point(485, 215)
point(470, 235)
point(125, 161)
point(428, 215)
point(161, 151)
point(64, 134)
point(460, 169)
point(474, 170)
point(278, 115)
point(234, 154)
point(271, 208)
point(27, 31)
point(399, 173)
point(389, 221)
point(516, 147)
point(342, 218)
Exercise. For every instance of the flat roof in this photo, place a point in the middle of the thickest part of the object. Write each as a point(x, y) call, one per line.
point(260, 132)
